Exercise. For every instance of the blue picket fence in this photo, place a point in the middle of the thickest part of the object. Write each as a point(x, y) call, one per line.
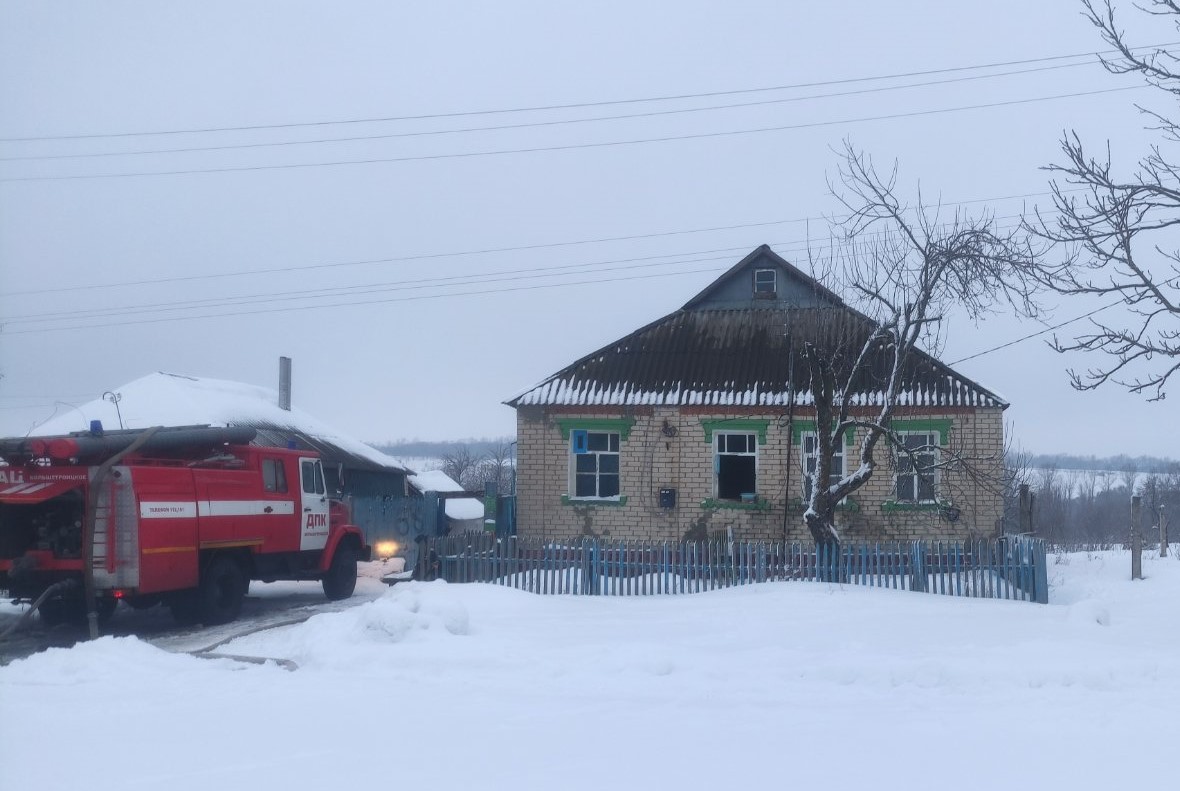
point(1005, 568)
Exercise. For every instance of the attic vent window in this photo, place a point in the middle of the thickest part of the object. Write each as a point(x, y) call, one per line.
point(765, 284)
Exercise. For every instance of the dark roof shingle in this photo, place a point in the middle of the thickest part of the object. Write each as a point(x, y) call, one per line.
point(750, 356)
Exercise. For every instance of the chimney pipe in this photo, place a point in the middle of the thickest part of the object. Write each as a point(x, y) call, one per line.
point(285, 383)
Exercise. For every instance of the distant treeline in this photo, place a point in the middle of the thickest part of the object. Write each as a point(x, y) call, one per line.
point(443, 448)
point(439, 449)
point(1064, 461)
point(1093, 507)
point(476, 464)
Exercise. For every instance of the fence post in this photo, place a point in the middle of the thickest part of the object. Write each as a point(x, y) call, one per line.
point(1136, 541)
point(433, 515)
point(1042, 558)
point(490, 500)
point(1163, 532)
point(917, 567)
point(594, 583)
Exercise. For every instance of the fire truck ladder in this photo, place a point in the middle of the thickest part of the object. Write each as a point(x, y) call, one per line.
point(91, 545)
point(101, 556)
point(116, 534)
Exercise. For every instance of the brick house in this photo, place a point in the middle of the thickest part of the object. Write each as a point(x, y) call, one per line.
point(691, 425)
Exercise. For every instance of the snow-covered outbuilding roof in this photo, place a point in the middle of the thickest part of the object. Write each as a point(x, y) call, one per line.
point(434, 481)
point(459, 508)
point(166, 399)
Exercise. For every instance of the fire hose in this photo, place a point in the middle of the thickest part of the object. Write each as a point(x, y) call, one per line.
point(53, 590)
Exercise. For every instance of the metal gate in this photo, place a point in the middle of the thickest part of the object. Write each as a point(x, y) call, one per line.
point(399, 519)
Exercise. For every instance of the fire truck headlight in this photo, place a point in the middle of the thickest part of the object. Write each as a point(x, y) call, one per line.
point(384, 549)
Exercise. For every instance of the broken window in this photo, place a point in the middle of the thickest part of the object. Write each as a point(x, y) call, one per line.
point(735, 465)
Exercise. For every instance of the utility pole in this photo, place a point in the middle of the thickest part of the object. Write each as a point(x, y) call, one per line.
point(1163, 532)
point(1026, 509)
point(1136, 541)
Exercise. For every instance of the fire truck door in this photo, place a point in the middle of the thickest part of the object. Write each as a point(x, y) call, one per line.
point(315, 505)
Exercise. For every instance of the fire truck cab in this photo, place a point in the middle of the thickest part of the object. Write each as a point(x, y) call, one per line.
point(186, 517)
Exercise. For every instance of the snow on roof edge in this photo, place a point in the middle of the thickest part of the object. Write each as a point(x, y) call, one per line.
point(170, 399)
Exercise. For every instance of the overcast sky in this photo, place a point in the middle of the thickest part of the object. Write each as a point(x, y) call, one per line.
point(436, 276)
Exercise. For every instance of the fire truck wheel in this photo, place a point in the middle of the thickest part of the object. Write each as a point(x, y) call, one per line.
point(340, 578)
point(223, 586)
point(144, 602)
point(184, 606)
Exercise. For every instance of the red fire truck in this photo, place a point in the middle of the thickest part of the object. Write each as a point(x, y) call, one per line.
point(183, 516)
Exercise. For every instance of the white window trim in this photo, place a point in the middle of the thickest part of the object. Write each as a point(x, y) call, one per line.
point(773, 281)
point(930, 446)
point(572, 481)
point(751, 442)
point(838, 451)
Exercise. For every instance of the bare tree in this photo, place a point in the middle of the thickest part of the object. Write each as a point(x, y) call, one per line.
point(1050, 497)
point(496, 467)
point(1088, 486)
point(1129, 475)
point(473, 472)
point(460, 464)
point(908, 268)
point(1108, 222)
point(1017, 472)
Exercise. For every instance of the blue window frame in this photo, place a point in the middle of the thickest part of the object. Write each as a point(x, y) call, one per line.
point(595, 464)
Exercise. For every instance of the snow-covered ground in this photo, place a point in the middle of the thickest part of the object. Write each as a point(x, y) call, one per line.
point(773, 686)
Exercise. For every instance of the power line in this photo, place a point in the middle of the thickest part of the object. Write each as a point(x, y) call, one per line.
point(572, 146)
point(533, 124)
point(1038, 333)
point(1169, 282)
point(518, 248)
point(579, 105)
point(371, 288)
point(386, 300)
point(38, 400)
point(416, 298)
point(485, 251)
point(26, 407)
point(435, 282)
point(405, 258)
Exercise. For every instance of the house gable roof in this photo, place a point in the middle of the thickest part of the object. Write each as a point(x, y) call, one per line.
point(727, 348)
point(735, 288)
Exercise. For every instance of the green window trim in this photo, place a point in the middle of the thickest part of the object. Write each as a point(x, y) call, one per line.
point(937, 424)
point(620, 424)
point(734, 505)
point(892, 506)
point(754, 425)
point(850, 505)
point(801, 427)
point(610, 502)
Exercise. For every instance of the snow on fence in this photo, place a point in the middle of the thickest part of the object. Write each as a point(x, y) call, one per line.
point(1005, 568)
